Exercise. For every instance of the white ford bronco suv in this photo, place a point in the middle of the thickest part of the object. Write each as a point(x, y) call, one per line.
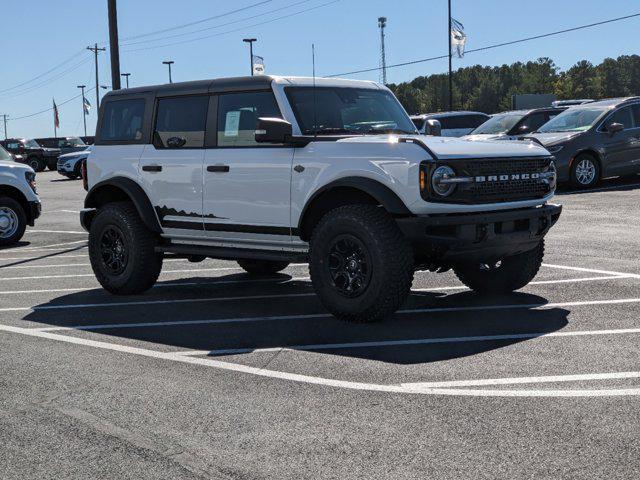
point(19, 202)
point(272, 170)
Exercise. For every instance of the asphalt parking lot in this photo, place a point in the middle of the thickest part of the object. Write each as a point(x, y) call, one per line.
point(214, 374)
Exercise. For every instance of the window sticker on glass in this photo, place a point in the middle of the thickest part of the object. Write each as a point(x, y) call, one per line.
point(232, 124)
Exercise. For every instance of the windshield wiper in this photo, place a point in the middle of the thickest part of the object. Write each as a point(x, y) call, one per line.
point(332, 131)
point(389, 130)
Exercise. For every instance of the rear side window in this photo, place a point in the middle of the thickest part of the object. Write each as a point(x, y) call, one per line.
point(461, 122)
point(622, 116)
point(181, 122)
point(122, 120)
point(238, 115)
point(534, 121)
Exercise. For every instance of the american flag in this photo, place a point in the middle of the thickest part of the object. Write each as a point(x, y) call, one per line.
point(56, 117)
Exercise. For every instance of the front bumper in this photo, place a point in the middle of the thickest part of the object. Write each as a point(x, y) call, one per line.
point(480, 237)
point(35, 208)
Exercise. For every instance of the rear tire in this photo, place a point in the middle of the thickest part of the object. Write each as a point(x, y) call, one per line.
point(37, 163)
point(360, 264)
point(585, 171)
point(13, 221)
point(262, 267)
point(512, 274)
point(122, 250)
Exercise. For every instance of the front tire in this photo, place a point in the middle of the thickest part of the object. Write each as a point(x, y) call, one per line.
point(509, 275)
point(13, 221)
point(37, 163)
point(361, 266)
point(585, 171)
point(262, 267)
point(122, 250)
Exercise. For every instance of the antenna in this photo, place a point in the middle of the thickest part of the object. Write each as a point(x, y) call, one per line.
point(315, 104)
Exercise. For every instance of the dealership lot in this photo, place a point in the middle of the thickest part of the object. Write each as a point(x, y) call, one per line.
point(214, 374)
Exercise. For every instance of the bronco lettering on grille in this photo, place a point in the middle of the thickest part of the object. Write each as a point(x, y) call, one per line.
point(506, 178)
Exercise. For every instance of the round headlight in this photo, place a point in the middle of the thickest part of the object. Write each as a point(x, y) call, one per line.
point(553, 181)
point(439, 174)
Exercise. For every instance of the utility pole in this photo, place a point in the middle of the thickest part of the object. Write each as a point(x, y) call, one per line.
point(84, 112)
point(6, 136)
point(169, 63)
point(95, 51)
point(126, 76)
point(450, 63)
point(382, 23)
point(250, 42)
point(114, 49)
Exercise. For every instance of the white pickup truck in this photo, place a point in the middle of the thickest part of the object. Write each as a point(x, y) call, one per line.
point(271, 170)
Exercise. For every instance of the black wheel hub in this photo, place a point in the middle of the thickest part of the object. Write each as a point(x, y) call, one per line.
point(349, 266)
point(113, 250)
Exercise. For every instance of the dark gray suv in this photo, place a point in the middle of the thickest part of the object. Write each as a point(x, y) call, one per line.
point(594, 141)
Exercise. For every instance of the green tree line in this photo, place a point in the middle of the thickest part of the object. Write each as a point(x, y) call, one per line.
point(490, 89)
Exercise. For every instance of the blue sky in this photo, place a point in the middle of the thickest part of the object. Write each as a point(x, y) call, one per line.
point(40, 34)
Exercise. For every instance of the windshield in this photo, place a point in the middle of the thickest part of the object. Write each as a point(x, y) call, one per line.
point(73, 142)
point(335, 111)
point(31, 144)
point(4, 155)
point(574, 120)
point(501, 123)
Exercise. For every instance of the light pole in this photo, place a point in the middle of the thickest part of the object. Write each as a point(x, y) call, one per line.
point(126, 76)
point(250, 42)
point(169, 63)
point(114, 48)
point(84, 111)
point(450, 65)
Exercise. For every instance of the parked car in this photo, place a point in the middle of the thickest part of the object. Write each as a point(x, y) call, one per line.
point(571, 103)
point(70, 164)
point(514, 124)
point(19, 202)
point(271, 170)
point(594, 141)
point(37, 157)
point(64, 144)
point(88, 140)
point(4, 155)
point(452, 124)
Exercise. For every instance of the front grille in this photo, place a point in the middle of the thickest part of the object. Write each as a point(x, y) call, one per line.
point(502, 190)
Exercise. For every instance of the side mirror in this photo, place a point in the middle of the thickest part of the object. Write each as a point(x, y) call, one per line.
point(433, 127)
point(273, 130)
point(614, 128)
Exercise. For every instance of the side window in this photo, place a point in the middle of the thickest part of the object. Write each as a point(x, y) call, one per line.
point(238, 115)
point(534, 122)
point(181, 122)
point(636, 114)
point(13, 146)
point(623, 116)
point(122, 120)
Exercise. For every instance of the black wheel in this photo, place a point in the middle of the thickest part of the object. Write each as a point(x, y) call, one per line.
point(506, 276)
point(360, 264)
point(37, 163)
point(262, 267)
point(121, 250)
point(585, 171)
point(77, 171)
point(13, 221)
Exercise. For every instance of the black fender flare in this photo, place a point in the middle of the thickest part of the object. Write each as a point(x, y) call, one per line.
point(134, 192)
point(380, 192)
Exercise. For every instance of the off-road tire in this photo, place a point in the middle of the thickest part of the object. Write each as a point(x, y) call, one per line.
point(262, 267)
point(143, 264)
point(37, 163)
point(391, 263)
point(575, 165)
point(13, 205)
point(512, 274)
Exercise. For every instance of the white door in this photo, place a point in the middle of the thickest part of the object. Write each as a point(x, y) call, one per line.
point(246, 185)
point(171, 168)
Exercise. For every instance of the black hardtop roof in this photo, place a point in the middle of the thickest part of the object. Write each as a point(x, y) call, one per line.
point(230, 84)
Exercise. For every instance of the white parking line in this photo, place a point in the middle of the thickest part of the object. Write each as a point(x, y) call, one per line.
point(57, 231)
point(307, 379)
point(536, 306)
point(43, 247)
point(169, 260)
point(418, 341)
point(61, 256)
point(591, 270)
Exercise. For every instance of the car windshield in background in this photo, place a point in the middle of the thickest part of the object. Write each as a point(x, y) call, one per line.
point(574, 120)
point(336, 111)
point(501, 123)
point(4, 155)
point(74, 142)
point(31, 144)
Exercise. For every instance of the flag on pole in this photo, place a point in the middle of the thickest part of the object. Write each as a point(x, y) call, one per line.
point(86, 105)
point(56, 117)
point(258, 65)
point(458, 38)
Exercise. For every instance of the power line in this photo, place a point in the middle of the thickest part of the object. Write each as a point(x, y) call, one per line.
point(234, 30)
point(504, 44)
point(50, 108)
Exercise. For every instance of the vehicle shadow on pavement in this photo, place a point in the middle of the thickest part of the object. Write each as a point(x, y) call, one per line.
point(299, 322)
point(622, 184)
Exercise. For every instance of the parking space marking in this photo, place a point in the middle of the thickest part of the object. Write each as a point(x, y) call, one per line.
point(72, 232)
point(307, 379)
point(591, 270)
point(61, 256)
point(536, 306)
point(413, 341)
point(43, 247)
point(73, 265)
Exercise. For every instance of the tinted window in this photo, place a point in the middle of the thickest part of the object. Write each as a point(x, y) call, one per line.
point(461, 122)
point(13, 146)
point(122, 120)
point(238, 115)
point(500, 123)
point(623, 116)
point(636, 114)
point(418, 122)
point(182, 120)
point(533, 122)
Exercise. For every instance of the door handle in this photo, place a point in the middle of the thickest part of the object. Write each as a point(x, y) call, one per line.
point(151, 168)
point(218, 168)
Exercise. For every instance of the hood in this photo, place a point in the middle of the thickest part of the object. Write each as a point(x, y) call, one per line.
point(75, 154)
point(488, 136)
point(51, 151)
point(8, 164)
point(552, 138)
point(447, 147)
